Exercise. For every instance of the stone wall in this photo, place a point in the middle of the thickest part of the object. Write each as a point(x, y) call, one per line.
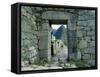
point(86, 36)
point(72, 43)
point(28, 34)
point(36, 33)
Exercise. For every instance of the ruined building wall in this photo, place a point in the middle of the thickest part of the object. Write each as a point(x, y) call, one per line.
point(36, 32)
point(28, 33)
point(86, 36)
point(71, 33)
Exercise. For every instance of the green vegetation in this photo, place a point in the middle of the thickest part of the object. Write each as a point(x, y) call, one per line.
point(78, 63)
point(42, 62)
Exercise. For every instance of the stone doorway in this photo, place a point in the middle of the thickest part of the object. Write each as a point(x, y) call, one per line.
point(59, 41)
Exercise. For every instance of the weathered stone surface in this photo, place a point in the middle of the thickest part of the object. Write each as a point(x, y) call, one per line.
point(87, 38)
point(43, 54)
point(93, 38)
point(79, 55)
point(83, 12)
point(91, 62)
point(36, 32)
point(79, 28)
point(28, 19)
point(90, 50)
point(91, 22)
point(45, 26)
point(72, 33)
point(82, 23)
point(90, 33)
point(83, 17)
point(23, 12)
point(92, 43)
point(25, 35)
point(42, 33)
point(92, 14)
point(43, 43)
point(86, 28)
point(86, 56)
point(33, 19)
point(39, 8)
point(72, 27)
point(56, 15)
point(82, 44)
point(72, 56)
point(27, 42)
point(79, 33)
point(27, 9)
point(26, 24)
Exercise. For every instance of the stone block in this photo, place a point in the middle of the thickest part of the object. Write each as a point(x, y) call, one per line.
point(90, 33)
point(33, 27)
point(92, 28)
point(84, 33)
point(72, 27)
point(43, 33)
point(93, 56)
point(34, 42)
point(87, 38)
point(22, 43)
point(79, 28)
point(89, 50)
point(33, 18)
point(83, 12)
point(92, 43)
point(23, 36)
point(38, 8)
point(92, 14)
point(45, 26)
point(43, 54)
point(26, 42)
point(92, 17)
point(79, 33)
point(26, 24)
point(43, 43)
point(91, 62)
point(72, 42)
point(82, 23)
point(87, 28)
point(72, 33)
point(55, 15)
point(91, 22)
point(82, 44)
point(79, 55)
point(23, 12)
point(72, 56)
point(26, 35)
point(28, 9)
point(93, 38)
point(86, 56)
point(83, 17)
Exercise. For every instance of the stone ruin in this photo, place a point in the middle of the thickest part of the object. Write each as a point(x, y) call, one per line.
point(36, 33)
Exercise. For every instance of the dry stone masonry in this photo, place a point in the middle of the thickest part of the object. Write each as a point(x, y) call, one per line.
point(36, 34)
point(86, 36)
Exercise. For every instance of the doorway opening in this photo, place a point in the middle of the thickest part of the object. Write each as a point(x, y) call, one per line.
point(59, 43)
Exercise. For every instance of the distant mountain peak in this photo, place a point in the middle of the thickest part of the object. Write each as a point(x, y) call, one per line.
point(59, 32)
point(53, 31)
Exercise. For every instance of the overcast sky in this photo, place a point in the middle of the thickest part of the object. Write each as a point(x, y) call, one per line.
point(57, 26)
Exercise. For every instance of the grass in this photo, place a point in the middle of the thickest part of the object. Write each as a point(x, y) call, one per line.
point(79, 63)
point(42, 62)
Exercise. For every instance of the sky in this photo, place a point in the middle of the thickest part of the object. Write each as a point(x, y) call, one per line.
point(55, 26)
